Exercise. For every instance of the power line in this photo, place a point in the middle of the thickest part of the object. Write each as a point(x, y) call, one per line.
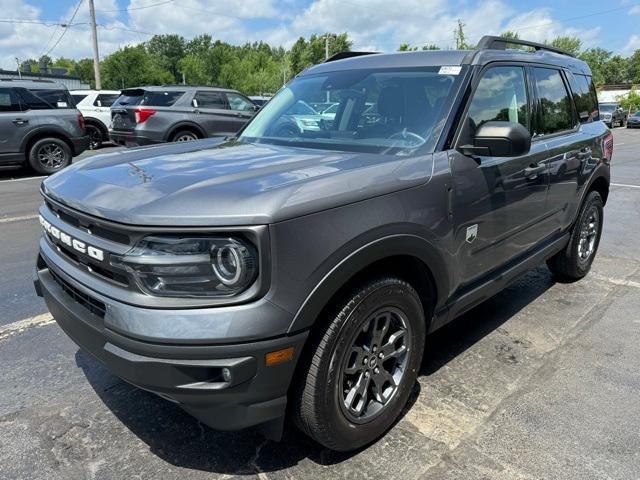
point(66, 27)
point(142, 7)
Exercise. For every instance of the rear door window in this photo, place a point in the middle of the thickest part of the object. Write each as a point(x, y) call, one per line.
point(209, 100)
point(161, 98)
point(9, 101)
point(105, 99)
point(555, 112)
point(46, 99)
point(584, 97)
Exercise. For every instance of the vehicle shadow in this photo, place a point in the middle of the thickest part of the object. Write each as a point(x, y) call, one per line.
point(179, 439)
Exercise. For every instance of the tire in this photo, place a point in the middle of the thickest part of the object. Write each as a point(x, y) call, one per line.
point(96, 137)
point(49, 155)
point(574, 262)
point(334, 368)
point(184, 136)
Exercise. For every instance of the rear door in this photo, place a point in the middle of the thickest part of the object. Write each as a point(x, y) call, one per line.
point(557, 124)
point(13, 123)
point(102, 107)
point(242, 108)
point(498, 203)
point(213, 113)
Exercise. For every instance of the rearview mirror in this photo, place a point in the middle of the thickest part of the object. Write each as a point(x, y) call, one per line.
point(499, 139)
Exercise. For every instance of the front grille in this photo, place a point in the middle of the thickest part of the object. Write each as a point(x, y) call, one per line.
point(93, 305)
point(89, 224)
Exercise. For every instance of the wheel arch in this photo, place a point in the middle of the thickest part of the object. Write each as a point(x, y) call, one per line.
point(41, 133)
point(409, 257)
point(191, 126)
point(98, 123)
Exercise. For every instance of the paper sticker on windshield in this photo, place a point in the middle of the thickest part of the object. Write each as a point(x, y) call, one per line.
point(62, 104)
point(450, 70)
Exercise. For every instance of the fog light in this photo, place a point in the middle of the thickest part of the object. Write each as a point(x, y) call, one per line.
point(226, 374)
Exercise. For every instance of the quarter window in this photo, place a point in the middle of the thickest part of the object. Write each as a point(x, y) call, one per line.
point(9, 101)
point(105, 99)
point(555, 112)
point(584, 97)
point(238, 102)
point(501, 95)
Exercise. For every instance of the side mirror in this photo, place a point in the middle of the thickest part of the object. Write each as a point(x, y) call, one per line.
point(499, 139)
point(255, 108)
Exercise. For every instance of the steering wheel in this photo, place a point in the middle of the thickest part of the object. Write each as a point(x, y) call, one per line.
point(405, 134)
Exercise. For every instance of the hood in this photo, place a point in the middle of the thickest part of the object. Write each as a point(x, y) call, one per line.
point(211, 183)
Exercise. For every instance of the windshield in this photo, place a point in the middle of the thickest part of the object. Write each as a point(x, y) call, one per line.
point(383, 110)
point(608, 107)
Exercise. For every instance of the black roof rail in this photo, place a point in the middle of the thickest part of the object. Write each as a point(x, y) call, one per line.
point(490, 42)
point(188, 85)
point(342, 55)
point(38, 80)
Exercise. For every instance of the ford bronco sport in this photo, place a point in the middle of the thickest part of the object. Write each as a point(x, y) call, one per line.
point(288, 270)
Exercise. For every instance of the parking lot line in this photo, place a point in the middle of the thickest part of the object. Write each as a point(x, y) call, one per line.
point(625, 185)
point(20, 325)
point(18, 219)
point(22, 179)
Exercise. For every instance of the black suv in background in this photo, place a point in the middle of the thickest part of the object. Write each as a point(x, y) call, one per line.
point(177, 113)
point(39, 126)
point(300, 271)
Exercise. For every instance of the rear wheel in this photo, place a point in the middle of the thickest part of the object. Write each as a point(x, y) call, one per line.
point(95, 136)
point(362, 366)
point(184, 136)
point(49, 155)
point(574, 262)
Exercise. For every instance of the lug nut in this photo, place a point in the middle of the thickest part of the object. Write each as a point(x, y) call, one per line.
point(376, 370)
point(381, 355)
point(365, 360)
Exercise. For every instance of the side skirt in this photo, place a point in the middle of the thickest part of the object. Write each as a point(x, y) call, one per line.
point(469, 297)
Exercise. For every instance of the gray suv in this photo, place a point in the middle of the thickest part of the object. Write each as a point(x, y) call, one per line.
point(177, 113)
point(39, 126)
point(299, 271)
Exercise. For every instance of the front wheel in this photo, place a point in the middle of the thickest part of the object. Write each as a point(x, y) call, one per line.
point(574, 262)
point(95, 137)
point(49, 155)
point(362, 366)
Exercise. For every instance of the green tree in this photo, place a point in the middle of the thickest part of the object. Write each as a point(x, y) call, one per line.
point(633, 67)
point(616, 70)
point(130, 67)
point(83, 68)
point(597, 59)
point(460, 37)
point(510, 34)
point(568, 44)
point(167, 51)
point(631, 102)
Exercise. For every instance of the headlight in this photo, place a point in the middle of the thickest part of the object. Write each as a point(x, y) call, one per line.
point(191, 266)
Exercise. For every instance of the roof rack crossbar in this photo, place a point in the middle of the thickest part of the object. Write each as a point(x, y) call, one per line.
point(342, 55)
point(490, 42)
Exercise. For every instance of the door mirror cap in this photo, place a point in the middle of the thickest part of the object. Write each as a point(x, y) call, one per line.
point(499, 139)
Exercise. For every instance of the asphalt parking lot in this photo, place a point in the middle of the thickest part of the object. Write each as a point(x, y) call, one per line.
point(541, 381)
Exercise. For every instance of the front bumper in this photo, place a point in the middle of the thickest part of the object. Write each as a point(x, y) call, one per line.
point(189, 375)
point(131, 139)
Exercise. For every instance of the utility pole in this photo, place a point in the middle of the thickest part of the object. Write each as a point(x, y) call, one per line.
point(19, 72)
point(326, 57)
point(94, 38)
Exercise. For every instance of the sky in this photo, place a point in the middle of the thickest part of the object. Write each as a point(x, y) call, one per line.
point(28, 27)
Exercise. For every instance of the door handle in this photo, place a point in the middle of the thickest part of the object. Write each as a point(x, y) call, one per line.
point(534, 169)
point(20, 121)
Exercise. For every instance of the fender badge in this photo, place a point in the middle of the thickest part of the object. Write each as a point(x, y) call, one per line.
point(472, 233)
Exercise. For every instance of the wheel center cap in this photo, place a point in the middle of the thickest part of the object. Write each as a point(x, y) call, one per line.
point(373, 362)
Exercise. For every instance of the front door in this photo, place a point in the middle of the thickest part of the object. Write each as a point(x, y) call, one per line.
point(14, 123)
point(499, 204)
point(213, 113)
point(242, 108)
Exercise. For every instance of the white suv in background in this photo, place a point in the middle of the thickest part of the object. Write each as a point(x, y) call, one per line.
point(95, 107)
